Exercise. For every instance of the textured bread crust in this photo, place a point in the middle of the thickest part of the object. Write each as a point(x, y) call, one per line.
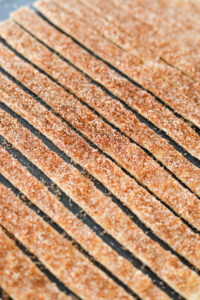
point(53, 122)
point(138, 99)
point(142, 45)
point(96, 97)
point(161, 11)
point(154, 41)
point(129, 155)
point(49, 203)
point(19, 277)
point(183, 102)
point(125, 62)
point(56, 252)
point(101, 208)
point(100, 167)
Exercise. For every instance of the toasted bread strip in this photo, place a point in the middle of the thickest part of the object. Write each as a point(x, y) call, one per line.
point(120, 59)
point(56, 252)
point(127, 229)
point(170, 18)
point(190, 106)
point(152, 42)
point(163, 8)
point(130, 23)
point(39, 116)
point(109, 108)
point(106, 28)
point(104, 211)
point(176, 19)
point(135, 97)
point(19, 276)
point(181, 25)
point(127, 154)
point(183, 61)
point(179, 21)
point(69, 142)
point(47, 202)
point(99, 100)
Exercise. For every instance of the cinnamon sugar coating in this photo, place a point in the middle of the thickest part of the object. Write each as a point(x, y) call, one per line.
point(97, 164)
point(49, 125)
point(129, 156)
point(121, 87)
point(174, 21)
point(187, 103)
point(40, 196)
point(170, 18)
point(73, 268)
point(125, 62)
point(110, 109)
point(56, 252)
point(157, 40)
point(97, 98)
point(102, 209)
point(18, 275)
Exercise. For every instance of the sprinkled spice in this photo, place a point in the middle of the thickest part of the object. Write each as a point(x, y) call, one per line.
point(96, 97)
point(40, 196)
point(159, 38)
point(103, 210)
point(56, 252)
point(18, 275)
point(136, 98)
point(61, 126)
point(131, 157)
point(183, 103)
point(108, 173)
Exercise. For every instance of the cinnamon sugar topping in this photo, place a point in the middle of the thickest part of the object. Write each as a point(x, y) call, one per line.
point(72, 120)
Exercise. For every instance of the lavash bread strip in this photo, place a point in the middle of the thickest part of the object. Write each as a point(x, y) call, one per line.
point(102, 139)
point(188, 17)
point(4, 295)
point(103, 103)
point(56, 252)
point(183, 102)
point(135, 97)
point(110, 28)
point(123, 61)
point(40, 116)
point(152, 43)
point(69, 141)
point(168, 20)
point(103, 210)
point(19, 276)
point(47, 202)
point(126, 12)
